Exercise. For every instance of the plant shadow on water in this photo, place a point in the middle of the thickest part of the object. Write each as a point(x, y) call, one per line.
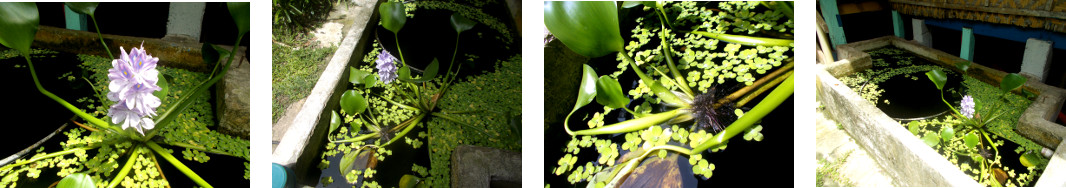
point(396, 165)
point(910, 98)
point(429, 33)
point(41, 115)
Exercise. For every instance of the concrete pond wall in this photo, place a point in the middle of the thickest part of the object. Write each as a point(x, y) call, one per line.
point(300, 146)
point(902, 155)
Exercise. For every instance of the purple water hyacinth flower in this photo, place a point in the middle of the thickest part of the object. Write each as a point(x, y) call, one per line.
point(133, 79)
point(386, 67)
point(967, 106)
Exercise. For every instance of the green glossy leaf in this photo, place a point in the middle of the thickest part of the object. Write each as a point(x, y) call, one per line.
point(1011, 81)
point(353, 103)
point(609, 92)
point(348, 162)
point(356, 76)
point(963, 65)
point(589, 28)
point(931, 139)
point(913, 127)
point(668, 96)
point(1032, 159)
point(162, 83)
point(209, 53)
point(334, 121)
point(18, 25)
point(240, 14)
point(393, 16)
point(404, 73)
point(587, 89)
point(409, 181)
point(938, 77)
point(947, 132)
point(87, 8)
point(971, 139)
point(631, 4)
point(77, 180)
point(370, 81)
point(460, 23)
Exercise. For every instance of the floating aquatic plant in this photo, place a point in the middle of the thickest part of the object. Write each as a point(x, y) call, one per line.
point(685, 84)
point(134, 89)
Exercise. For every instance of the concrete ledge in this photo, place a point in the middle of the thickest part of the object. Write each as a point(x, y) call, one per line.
point(170, 53)
point(476, 166)
point(1037, 121)
point(902, 155)
point(1053, 177)
point(298, 149)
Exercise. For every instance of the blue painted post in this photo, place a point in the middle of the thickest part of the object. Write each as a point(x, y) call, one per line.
point(967, 44)
point(897, 25)
point(831, 14)
point(75, 21)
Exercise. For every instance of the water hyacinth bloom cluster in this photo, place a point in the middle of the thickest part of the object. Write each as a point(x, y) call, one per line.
point(386, 66)
point(133, 80)
point(967, 106)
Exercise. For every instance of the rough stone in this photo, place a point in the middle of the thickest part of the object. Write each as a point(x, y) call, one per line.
point(232, 95)
point(475, 166)
point(329, 34)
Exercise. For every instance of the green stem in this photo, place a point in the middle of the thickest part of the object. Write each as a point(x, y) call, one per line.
point(768, 104)
point(400, 104)
point(397, 37)
point(657, 88)
point(36, 158)
point(62, 102)
point(125, 168)
point(632, 163)
point(98, 34)
point(177, 164)
point(745, 40)
point(358, 138)
point(405, 130)
point(667, 50)
point(631, 125)
point(183, 103)
point(202, 148)
point(454, 53)
point(949, 104)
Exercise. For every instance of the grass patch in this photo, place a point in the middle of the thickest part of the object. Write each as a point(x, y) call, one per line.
point(295, 70)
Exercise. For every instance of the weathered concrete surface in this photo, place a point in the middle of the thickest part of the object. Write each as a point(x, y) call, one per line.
point(1035, 124)
point(185, 21)
point(307, 129)
point(232, 97)
point(1055, 174)
point(859, 168)
point(283, 123)
point(1037, 58)
point(329, 34)
point(883, 137)
point(903, 157)
point(174, 54)
point(476, 166)
point(921, 32)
